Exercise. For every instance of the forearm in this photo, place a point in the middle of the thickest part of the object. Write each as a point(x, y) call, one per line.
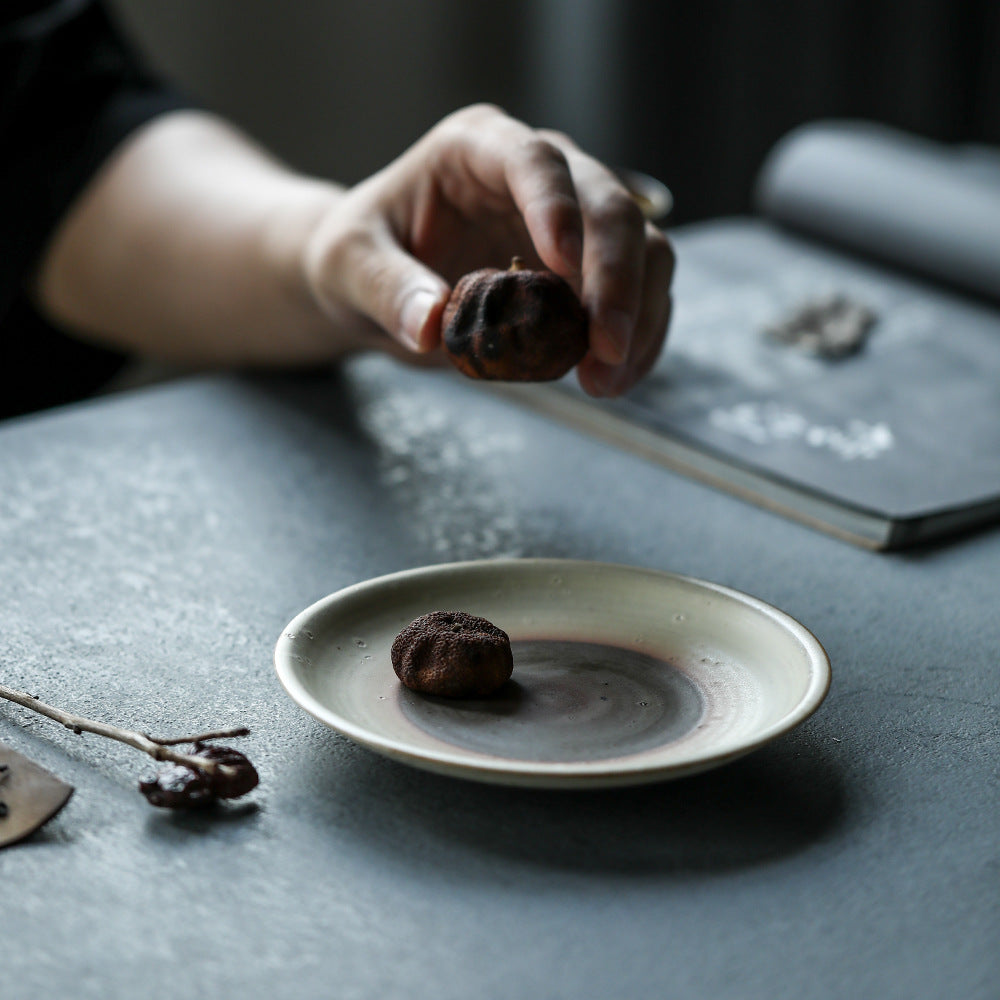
point(188, 246)
point(193, 245)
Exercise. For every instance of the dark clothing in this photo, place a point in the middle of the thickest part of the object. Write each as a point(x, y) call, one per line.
point(70, 90)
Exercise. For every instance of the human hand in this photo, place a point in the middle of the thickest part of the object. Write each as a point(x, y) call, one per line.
point(477, 189)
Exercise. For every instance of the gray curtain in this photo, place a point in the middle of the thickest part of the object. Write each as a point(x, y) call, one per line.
point(710, 86)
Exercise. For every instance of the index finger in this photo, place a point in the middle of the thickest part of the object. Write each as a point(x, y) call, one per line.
point(518, 163)
point(614, 258)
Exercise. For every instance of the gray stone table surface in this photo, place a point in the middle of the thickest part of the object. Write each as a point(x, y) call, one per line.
point(152, 547)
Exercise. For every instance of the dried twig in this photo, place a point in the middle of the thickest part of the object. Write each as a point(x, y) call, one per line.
point(220, 734)
point(157, 749)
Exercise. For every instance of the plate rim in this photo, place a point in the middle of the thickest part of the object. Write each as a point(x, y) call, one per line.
point(606, 772)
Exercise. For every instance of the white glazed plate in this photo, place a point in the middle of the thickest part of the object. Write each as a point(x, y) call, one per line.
point(621, 675)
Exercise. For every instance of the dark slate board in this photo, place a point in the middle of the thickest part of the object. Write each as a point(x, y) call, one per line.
point(894, 445)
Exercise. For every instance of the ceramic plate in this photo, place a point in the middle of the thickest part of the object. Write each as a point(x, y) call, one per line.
point(621, 675)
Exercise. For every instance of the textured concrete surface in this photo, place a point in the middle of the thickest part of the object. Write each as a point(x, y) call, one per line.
point(152, 547)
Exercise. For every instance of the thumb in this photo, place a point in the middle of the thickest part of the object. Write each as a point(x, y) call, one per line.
point(418, 315)
point(370, 272)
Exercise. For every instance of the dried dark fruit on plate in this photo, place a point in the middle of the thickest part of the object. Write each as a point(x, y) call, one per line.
point(177, 786)
point(452, 654)
point(518, 325)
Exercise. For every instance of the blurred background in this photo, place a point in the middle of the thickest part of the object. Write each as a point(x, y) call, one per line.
point(692, 93)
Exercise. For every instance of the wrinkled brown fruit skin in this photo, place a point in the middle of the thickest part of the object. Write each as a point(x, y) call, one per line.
point(452, 654)
point(178, 787)
point(514, 326)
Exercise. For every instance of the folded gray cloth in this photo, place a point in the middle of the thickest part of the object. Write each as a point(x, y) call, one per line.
point(916, 204)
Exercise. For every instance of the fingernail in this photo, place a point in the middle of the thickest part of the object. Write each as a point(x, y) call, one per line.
point(617, 326)
point(413, 316)
point(599, 381)
point(607, 380)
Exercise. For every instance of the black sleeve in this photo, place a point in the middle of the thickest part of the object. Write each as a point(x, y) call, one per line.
point(71, 89)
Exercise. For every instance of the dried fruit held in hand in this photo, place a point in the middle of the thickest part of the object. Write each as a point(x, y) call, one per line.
point(179, 787)
point(518, 325)
point(452, 654)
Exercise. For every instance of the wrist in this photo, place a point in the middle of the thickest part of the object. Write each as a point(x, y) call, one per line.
point(287, 233)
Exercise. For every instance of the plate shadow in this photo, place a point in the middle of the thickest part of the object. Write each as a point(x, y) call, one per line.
point(769, 805)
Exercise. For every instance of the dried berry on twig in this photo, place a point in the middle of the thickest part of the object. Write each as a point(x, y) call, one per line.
point(212, 772)
point(178, 786)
